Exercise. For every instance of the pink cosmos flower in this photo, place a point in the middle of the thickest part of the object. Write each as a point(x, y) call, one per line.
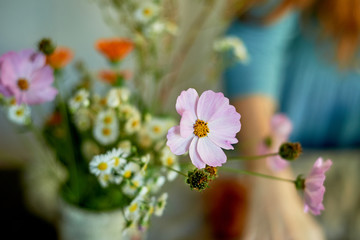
point(25, 76)
point(314, 186)
point(281, 128)
point(207, 124)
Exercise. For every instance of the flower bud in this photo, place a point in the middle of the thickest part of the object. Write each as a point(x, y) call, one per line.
point(300, 182)
point(212, 171)
point(46, 46)
point(198, 179)
point(290, 151)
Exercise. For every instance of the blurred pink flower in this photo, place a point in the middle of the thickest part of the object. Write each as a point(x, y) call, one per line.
point(25, 76)
point(207, 124)
point(314, 186)
point(281, 128)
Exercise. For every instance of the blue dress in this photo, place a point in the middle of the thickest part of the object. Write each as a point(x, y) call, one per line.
point(295, 68)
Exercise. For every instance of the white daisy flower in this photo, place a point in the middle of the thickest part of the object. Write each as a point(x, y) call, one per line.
point(127, 111)
point(130, 169)
point(125, 145)
point(82, 119)
point(101, 164)
point(19, 114)
point(167, 158)
point(104, 179)
point(106, 135)
point(118, 156)
point(155, 184)
point(156, 28)
point(235, 44)
point(106, 129)
point(89, 149)
point(133, 185)
point(133, 211)
point(144, 139)
point(117, 96)
point(157, 128)
point(133, 125)
point(146, 12)
point(106, 117)
point(160, 205)
point(80, 99)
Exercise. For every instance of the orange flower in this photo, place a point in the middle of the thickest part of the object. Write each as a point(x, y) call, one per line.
point(114, 49)
point(60, 57)
point(110, 76)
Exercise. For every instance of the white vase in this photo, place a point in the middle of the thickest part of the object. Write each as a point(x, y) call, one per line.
point(81, 224)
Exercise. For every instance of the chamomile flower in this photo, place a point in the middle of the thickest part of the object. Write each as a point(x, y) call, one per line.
point(89, 149)
point(106, 117)
point(233, 44)
point(101, 165)
point(104, 179)
point(157, 128)
point(168, 159)
point(146, 12)
point(117, 96)
point(118, 156)
point(80, 99)
point(19, 114)
point(133, 125)
point(125, 145)
point(106, 134)
point(130, 169)
point(132, 212)
point(155, 184)
point(144, 139)
point(82, 119)
point(127, 111)
point(160, 205)
point(134, 184)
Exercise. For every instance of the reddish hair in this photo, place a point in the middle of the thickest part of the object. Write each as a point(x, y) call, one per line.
point(339, 20)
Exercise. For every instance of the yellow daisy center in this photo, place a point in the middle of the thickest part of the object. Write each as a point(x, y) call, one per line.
point(201, 128)
point(106, 131)
point(23, 84)
point(108, 120)
point(147, 12)
point(102, 166)
point(78, 98)
point(117, 161)
point(156, 129)
point(135, 123)
point(170, 161)
point(127, 174)
point(133, 207)
point(19, 112)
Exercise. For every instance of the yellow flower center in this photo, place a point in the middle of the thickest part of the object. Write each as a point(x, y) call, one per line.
point(106, 131)
point(117, 161)
point(156, 129)
point(136, 184)
point(23, 84)
point(78, 98)
point(102, 166)
point(147, 12)
point(135, 123)
point(201, 128)
point(170, 161)
point(19, 112)
point(133, 207)
point(127, 174)
point(108, 120)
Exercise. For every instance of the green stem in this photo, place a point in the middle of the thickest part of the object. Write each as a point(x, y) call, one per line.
point(73, 178)
point(244, 158)
point(256, 174)
point(172, 169)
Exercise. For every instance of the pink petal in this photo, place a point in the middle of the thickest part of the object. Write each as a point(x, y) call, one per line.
point(194, 155)
point(221, 141)
point(276, 163)
point(209, 103)
point(39, 96)
point(187, 124)
point(211, 154)
point(42, 77)
point(187, 101)
point(281, 125)
point(177, 144)
point(227, 125)
point(8, 73)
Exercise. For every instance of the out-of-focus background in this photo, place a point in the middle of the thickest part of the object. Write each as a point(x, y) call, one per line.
point(78, 24)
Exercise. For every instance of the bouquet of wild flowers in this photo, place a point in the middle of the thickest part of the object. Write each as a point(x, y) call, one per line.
point(118, 146)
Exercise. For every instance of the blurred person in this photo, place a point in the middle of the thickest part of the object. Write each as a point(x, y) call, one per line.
point(303, 63)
